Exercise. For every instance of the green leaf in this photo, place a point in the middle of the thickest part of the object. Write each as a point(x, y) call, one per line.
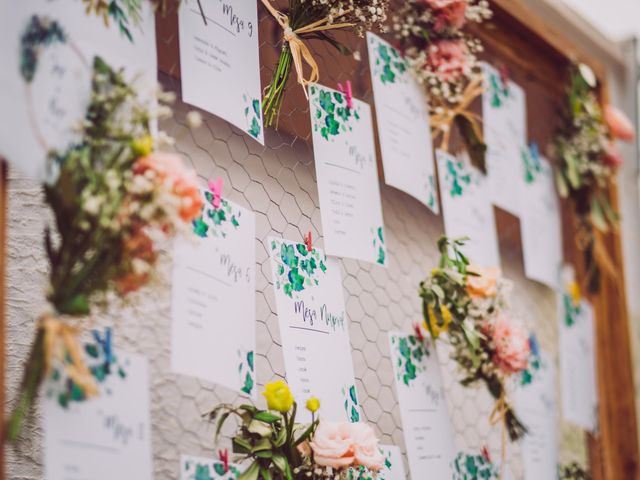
point(597, 215)
point(267, 417)
point(250, 473)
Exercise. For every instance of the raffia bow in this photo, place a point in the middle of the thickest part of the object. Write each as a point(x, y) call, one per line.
point(498, 415)
point(60, 345)
point(442, 123)
point(299, 50)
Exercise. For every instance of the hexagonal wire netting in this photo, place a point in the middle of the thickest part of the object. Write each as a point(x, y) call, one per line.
point(278, 183)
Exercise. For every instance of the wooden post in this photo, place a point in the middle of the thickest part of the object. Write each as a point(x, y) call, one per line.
point(3, 242)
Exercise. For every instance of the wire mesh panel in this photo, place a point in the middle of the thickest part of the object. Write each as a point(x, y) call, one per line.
point(278, 183)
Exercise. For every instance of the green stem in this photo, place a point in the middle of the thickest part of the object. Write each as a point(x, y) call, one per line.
point(272, 101)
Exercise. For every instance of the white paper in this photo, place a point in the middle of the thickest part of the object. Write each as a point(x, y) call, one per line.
point(428, 434)
point(314, 330)
point(540, 221)
point(213, 298)
point(394, 464)
point(402, 113)
point(466, 208)
point(220, 62)
point(505, 130)
point(577, 363)
point(41, 110)
point(347, 176)
point(104, 437)
point(199, 468)
point(536, 405)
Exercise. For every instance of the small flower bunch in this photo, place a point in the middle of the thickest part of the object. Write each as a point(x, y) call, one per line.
point(468, 303)
point(574, 471)
point(432, 35)
point(587, 159)
point(113, 201)
point(443, 57)
point(279, 448)
point(314, 19)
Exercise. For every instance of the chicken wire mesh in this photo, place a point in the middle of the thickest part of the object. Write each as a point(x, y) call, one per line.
point(278, 183)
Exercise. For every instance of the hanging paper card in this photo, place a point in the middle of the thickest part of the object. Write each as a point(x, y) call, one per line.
point(198, 468)
point(540, 220)
point(46, 81)
point(473, 466)
point(467, 209)
point(102, 437)
point(314, 330)
point(347, 176)
point(535, 402)
point(213, 308)
point(504, 110)
point(219, 61)
point(402, 113)
point(427, 429)
point(577, 363)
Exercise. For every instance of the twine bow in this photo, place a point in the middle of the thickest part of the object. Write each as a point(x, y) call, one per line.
point(61, 345)
point(299, 50)
point(498, 414)
point(442, 123)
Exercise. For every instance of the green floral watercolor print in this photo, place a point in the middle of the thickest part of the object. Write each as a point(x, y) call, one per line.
point(363, 473)
point(41, 32)
point(473, 467)
point(213, 470)
point(456, 178)
point(246, 371)
point(351, 406)
point(389, 65)
point(125, 13)
point(216, 222)
point(379, 246)
point(331, 115)
point(410, 353)
point(498, 90)
point(297, 268)
point(534, 365)
point(102, 364)
point(572, 312)
point(431, 188)
point(252, 115)
point(531, 161)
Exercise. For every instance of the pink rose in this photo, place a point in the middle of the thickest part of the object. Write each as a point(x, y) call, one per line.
point(484, 283)
point(613, 156)
point(448, 59)
point(439, 4)
point(332, 445)
point(453, 15)
point(511, 345)
point(619, 125)
point(365, 447)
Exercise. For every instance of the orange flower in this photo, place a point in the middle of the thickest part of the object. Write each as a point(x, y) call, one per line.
point(484, 283)
point(619, 124)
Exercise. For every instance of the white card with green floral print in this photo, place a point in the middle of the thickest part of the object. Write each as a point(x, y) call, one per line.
point(428, 434)
point(404, 131)
point(347, 174)
point(220, 61)
point(213, 310)
point(102, 437)
point(540, 220)
point(45, 87)
point(535, 400)
point(199, 468)
point(504, 118)
point(314, 329)
point(467, 209)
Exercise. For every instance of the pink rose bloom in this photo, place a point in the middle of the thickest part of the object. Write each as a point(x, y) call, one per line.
point(304, 449)
point(439, 4)
point(332, 445)
point(453, 15)
point(365, 447)
point(511, 345)
point(448, 59)
point(485, 283)
point(613, 156)
point(619, 124)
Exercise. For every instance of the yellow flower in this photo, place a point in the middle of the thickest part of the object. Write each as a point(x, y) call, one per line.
point(142, 146)
point(313, 404)
point(433, 320)
point(278, 395)
point(573, 289)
